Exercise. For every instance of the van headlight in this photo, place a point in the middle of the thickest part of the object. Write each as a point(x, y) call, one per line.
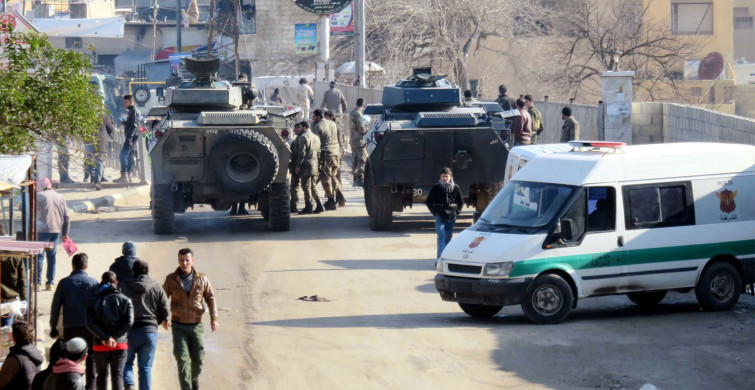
point(498, 269)
point(439, 265)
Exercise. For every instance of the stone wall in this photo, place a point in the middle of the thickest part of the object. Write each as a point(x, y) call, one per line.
point(686, 124)
point(647, 123)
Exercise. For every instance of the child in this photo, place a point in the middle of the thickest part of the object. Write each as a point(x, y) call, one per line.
point(445, 202)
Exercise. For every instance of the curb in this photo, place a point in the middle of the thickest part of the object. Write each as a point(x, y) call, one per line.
point(106, 201)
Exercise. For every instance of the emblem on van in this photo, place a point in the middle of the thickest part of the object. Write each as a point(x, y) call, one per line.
point(727, 200)
point(477, 241)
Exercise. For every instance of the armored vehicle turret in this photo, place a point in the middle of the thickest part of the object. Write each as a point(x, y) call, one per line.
point(208, 150)
point(420, 127)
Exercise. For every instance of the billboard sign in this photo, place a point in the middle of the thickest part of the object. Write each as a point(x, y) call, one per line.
point(322, 7)
point(305, 39)
point(342, 23)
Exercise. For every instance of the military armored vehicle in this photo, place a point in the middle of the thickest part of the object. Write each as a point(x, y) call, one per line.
point(420, 127)
point(206, 150)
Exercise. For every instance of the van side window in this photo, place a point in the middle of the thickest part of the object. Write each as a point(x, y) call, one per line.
point(578, 215)
point(601, 205)
point(658, 205)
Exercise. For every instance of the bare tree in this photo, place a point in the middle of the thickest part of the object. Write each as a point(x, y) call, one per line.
point(443, 33)
point(598, 31)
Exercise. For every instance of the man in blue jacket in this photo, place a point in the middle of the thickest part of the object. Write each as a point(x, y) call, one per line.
point(72, 294)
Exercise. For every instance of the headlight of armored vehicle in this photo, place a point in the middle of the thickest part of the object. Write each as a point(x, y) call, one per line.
point(498, 269)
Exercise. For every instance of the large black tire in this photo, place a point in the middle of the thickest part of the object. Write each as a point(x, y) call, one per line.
point(480, 311)
point(381, 201)
point(719, 287)
point(280, 207)
point(162, 209)
point(548, 300)
point(647, 298)
point(263, 205)
point(244, 161)
point(368, 185)
point(141, 95)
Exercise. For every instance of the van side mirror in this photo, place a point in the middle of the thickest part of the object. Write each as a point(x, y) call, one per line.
point(563, 229)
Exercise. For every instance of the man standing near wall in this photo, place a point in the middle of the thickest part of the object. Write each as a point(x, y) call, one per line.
point(304, 97)
point(570, 129)
point(537, 118)
point(358, 145)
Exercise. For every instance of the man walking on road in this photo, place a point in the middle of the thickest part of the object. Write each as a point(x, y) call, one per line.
point(186, 288)
point(570, 129)
point(123, 265)
point(358, 145)
point(53, 222)
point(72, 294)
point(334, 100)
point(150, 310)
point(306, 167)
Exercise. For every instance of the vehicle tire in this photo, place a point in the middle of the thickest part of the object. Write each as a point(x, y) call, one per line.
point(480, 311)
point(647, 298)
point(244, 161)
point(141, 95)
point(280, 207)
point(381, 201)
point(548, 300)
point(368, 185)
point(719, 287)
point(163, 214)
point(263, 205)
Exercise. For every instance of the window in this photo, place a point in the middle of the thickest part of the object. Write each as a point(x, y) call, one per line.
point(658, 205)
point(74, 43)
point(577, 215)
point(601, 206)
point(692, 18)
point(743, 23)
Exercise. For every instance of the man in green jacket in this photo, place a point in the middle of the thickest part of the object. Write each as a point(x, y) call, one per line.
point(306, 166)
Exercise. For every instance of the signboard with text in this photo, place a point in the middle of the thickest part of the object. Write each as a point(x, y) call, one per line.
point(342, 23)
point(322, 7)
point(305, 39)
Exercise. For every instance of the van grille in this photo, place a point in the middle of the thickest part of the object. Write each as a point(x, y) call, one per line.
point(465, 269)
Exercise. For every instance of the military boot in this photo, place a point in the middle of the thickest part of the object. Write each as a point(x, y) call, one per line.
point(306, 210)
point(359, 182)
point(330, 204)
point(242, 209)
point(319, 207)
point(294, 210)
point(340, 199)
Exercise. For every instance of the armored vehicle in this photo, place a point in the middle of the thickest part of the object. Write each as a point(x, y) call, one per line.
point(420, 127)
point(207, 150)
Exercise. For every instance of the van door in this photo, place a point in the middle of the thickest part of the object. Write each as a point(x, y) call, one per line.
point(595, 252)
point(660, 237)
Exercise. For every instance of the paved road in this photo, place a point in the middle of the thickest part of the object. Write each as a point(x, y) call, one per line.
point(384, 326)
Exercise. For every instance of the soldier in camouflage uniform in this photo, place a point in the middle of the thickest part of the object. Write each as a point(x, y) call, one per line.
point(295, 180)
point(307, 162)
point(340, 199)
point(358, 145)
point(537, 118)
point(330, 159)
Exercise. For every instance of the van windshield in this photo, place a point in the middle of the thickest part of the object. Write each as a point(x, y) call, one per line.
point(526, 204)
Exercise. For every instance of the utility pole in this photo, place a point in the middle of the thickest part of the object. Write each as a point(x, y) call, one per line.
point(178, 27)
point(155, 6)
point(325, 44)
point(237, 63)
point(359, 21)
point(209, 29)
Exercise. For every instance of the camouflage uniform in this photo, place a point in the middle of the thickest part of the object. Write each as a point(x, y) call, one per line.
point(570, 130)
point(537, 123)
point(331, 157)
point(295, 180)
point(307, 161)
point(358, 145)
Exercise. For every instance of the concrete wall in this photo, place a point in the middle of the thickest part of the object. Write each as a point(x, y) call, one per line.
point(586, 115)
point(744, 99)
point(647, 123)
point(685, 124)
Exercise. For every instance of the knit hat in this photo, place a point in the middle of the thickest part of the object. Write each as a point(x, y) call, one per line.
point(75, 346)
point(129, 249)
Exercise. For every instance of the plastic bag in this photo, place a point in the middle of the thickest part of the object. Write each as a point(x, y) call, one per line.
point(70, 246)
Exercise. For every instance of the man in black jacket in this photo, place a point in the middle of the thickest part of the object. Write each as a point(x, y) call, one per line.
point(445, 202)
point(67, 372)
point(110, 315)
point(123, 265)
point(129, 141)
point(72, 294)
point(150, 310)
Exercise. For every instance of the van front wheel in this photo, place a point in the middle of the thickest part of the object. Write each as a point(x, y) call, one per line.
point(719, 287)
point(480, 311)
point(548, 300)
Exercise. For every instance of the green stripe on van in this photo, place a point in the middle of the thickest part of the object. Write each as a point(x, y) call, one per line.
point(634, 257)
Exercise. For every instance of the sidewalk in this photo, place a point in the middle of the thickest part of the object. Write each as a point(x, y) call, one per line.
point(81, 197)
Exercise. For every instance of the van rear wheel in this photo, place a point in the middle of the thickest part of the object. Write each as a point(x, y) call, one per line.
point(647, 298)
point(719, 287)
point(548, 300)
point(480, 311)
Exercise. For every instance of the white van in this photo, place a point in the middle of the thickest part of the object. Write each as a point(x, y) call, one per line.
point(610, 219)
point(519, 156)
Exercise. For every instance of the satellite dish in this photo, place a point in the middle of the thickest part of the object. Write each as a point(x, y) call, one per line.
point(711, 66)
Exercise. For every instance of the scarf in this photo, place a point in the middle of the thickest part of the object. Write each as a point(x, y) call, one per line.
point(447, 187)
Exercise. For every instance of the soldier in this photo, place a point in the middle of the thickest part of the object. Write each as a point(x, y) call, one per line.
point(537, 118)
point(330, 158)
point(340, 199)
point(358, 149)
point(307, 162)
point(570, 129)
point(334, 100)
point(295, 180)
point(504, 100)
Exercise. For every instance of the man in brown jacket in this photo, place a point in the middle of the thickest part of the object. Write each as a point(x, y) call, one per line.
point(186, 288)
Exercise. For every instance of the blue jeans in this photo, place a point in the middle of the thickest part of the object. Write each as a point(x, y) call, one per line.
point(127, 158)
point(445, 229)
point(141, 345)
point(48, 237)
